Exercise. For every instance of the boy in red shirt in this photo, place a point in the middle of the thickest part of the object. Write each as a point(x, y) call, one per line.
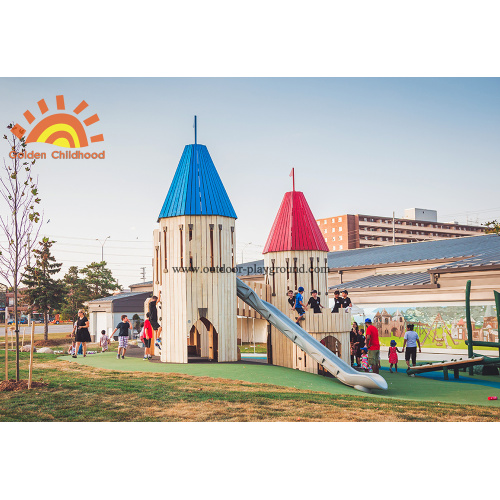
point(373, 345)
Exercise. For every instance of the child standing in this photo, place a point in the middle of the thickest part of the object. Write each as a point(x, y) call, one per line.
point(104, 341)
point(147, 335)
point(393, 356)
point(364, 359)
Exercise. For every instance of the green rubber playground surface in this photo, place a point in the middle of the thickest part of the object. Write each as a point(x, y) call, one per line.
point(400, 385)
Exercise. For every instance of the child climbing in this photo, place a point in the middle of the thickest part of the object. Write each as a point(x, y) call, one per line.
point(393, 356)
point(299, 305)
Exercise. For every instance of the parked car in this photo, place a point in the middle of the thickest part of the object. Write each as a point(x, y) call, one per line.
point(22, 321)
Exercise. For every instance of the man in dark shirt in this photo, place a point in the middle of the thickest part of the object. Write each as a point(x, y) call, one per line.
point(314, 302)
point(153, 316)
point(338, 302)
point(360, 340)
point(124, 327)
point(346, 301)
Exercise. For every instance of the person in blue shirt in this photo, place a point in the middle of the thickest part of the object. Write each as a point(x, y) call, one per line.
point(299, 305)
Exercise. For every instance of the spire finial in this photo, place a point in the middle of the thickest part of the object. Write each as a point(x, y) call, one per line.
point(292, 175)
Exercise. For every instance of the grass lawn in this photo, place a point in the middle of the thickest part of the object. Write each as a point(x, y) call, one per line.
point(86, 390)
point(248, 347)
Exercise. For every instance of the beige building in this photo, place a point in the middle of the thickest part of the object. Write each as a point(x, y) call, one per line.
point(347, 232)
point(420, 282)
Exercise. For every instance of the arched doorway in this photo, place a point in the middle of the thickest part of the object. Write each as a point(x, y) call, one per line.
point(332, 343)
point(194, 342)
point(203, 341)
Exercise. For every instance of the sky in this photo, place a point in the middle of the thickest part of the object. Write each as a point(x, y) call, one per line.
point(358, 145)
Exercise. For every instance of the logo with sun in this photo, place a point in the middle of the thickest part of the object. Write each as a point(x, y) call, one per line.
point(60, 128)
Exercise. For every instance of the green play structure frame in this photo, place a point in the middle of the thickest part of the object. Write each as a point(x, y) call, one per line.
point(473, 358)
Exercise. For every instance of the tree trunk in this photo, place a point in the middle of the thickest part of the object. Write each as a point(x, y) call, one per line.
point(46, 326)
point(16, 322)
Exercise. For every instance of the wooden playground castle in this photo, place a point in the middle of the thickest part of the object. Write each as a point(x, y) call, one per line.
point(194, 264)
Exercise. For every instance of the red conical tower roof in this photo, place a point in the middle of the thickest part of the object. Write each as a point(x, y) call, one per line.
point(295, 227)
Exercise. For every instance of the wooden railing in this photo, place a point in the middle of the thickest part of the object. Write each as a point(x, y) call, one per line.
point(325, 322)
point(264, 293)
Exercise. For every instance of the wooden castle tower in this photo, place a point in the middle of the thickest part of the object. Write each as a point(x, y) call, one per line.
point(194, 253)
point(295, 255)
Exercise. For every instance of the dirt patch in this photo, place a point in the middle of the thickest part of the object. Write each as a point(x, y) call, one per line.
point(12, 385)
point(51, 343)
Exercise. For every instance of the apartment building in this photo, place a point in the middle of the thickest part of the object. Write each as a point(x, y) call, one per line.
point(346, 232)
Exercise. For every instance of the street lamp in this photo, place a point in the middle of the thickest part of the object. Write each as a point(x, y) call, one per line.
point(244, 246)
point(102, 247)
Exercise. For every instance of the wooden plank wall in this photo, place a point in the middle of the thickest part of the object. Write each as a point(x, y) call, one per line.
point(184, 293)
point(283, 280)
point(264, 293)
point(303, 362)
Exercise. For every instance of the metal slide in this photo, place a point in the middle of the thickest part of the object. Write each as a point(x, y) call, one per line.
point(338, 368)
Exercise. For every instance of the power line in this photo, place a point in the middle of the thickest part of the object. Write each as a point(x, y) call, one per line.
point(93, 239)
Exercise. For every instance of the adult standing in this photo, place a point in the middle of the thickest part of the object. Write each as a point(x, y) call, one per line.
point(337, 302)
point(373, 345)
point(82, 333)
point(73, 333)
point(353, 337)
point(360, 340)
point(410, 342)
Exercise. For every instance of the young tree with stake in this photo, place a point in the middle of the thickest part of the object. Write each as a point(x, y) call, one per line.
point(20, 223)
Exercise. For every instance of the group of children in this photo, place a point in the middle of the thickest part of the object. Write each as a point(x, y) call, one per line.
point(150, 326)
point(297, 302)
point(393, 357)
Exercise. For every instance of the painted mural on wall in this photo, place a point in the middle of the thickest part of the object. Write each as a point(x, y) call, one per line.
point(437, 326)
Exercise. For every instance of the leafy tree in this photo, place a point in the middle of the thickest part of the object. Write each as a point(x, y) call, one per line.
point(44, 292)
point(492, 227)
point(77, 294)
point(20, 221)
point(99, 280)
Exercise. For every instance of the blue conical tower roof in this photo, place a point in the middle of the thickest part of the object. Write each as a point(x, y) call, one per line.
point(196, 188)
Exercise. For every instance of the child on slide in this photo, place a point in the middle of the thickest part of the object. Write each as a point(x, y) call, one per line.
point(393, 356)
